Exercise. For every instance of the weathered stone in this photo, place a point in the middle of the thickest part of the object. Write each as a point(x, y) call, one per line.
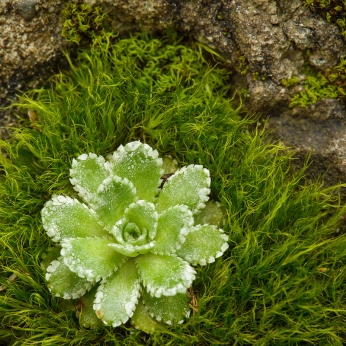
point(30, 43)
point(318, 131)
point(322, 110)
point(27, 9)
point(274, 37)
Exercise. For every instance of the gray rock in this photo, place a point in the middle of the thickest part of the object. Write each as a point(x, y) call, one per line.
point(27, 9)
point(30, 44)
point(318, 131)
point(274, 37)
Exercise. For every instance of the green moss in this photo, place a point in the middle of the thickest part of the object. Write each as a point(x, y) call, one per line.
point(316, 88)
point(290, 81)
point(318, 85)
point(337, 76)
point(243, 66)
point(256, 76)
point(82, 22)
point(282, 281)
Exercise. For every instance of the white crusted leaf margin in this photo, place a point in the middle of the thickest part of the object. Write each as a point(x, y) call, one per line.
point(91, 258)
point(189, 185)
point(132, 250)
point(113, 197)
point(87, 173)
point(170, 310)
point(63, 283)
point(117, 296)
point(203, 245)
point(64, 217)
point(140, 164)
point(173, 226)
point(164, 274)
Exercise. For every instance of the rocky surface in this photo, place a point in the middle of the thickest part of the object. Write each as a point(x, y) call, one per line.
point(30, 43)
point(274, 39)
point(318, 131)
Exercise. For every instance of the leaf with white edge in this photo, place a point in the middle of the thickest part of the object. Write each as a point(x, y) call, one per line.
point(140, 164)
point(212, 214)
point(172, 228)
point(113, 196)
point(87, 173)
point(85, 312)
point(91, 258)
point(170, 310)
point(164, 274)
point(203, 244)
point(64, 217)
point(63, 283)
point(143, 321)
point(117, 296)
point(132, 250)
point(189, 185)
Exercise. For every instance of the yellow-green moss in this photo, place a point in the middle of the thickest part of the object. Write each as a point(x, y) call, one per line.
point(82, 21)
point(316, 88)
point(318, 85)
point(257, 76)
point(290, 81)
point(243, 67)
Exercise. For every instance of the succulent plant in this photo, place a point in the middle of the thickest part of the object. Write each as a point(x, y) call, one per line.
point(131, 235)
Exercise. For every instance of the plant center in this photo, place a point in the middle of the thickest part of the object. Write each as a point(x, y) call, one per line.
point(134, 235)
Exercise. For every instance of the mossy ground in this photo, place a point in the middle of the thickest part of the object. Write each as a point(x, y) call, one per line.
point(282, 282)
point(82, 22)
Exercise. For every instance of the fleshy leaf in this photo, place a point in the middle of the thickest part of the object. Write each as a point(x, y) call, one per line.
point(140, 164)
point(87, 173)
point(113, 196)
point(91, 258)
point(50, 255)
point(132, 250)
point(143, 321)
point(126, 232)
point(211, 214)
point(203, 244)
point(170, 310)
point(189, 185)
point(164, 274)
point(142, 216)
point(169, 164)
point(85, 311)
point(117, 296)
point(64, 217)
point(173, 226)
point(63, 283)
